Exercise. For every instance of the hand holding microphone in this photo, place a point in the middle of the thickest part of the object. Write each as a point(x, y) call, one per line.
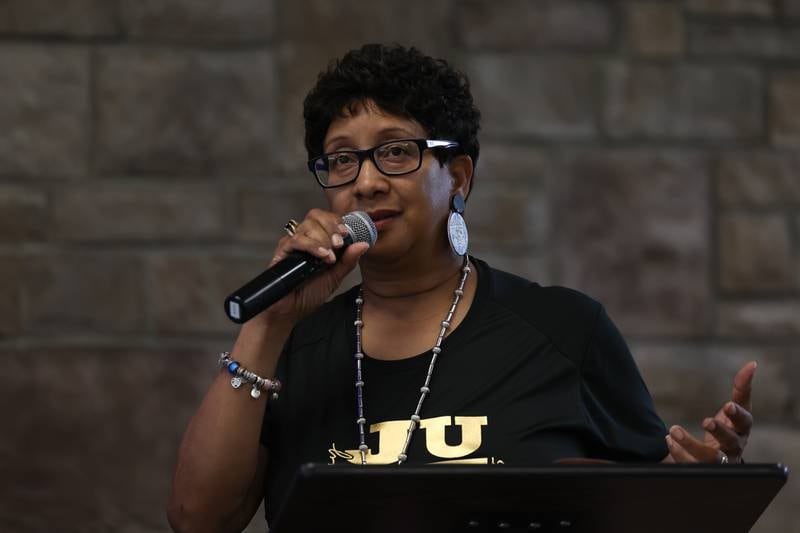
point(307, 254)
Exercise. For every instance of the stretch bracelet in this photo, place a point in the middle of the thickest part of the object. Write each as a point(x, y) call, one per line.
point(241, 374)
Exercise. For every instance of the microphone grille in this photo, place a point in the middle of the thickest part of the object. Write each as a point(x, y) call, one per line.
point(361, 227)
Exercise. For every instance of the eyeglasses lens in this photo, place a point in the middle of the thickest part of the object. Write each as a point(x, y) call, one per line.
point(393, 158)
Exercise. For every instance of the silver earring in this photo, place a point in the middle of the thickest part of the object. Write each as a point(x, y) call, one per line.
point(457, 232)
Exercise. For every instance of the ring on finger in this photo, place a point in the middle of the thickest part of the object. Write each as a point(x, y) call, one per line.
point(723, 460)
point(291, 227)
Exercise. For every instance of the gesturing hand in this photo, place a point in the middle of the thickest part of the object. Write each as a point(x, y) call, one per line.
point(725, 434)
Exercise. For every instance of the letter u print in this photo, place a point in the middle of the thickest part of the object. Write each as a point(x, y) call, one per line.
point(471, 435)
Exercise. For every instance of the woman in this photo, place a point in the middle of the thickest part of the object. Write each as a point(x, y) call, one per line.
point(435, 356)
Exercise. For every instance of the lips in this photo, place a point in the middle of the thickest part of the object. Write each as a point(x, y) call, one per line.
point(382, 214)
point(383, 217)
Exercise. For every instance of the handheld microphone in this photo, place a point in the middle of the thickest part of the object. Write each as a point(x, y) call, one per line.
point(284, 276)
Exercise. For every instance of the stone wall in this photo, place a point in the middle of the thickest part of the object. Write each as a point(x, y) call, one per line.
point(645, 152)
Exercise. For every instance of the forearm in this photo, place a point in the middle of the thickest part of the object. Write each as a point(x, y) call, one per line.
point(218, 458)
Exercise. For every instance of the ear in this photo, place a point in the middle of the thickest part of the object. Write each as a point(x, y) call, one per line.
point(461, 169)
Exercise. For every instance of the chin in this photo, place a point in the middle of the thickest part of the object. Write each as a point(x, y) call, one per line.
point(386, 251)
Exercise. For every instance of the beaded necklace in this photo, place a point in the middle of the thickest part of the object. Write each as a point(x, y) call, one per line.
point(361, 422)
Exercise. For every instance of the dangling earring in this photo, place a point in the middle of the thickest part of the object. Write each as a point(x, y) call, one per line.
point(456, 227)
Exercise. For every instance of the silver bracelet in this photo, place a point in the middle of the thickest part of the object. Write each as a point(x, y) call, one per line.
point(241, 374)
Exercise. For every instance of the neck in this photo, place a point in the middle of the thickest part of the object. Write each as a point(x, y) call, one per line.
point(400, 282)
point(403, 322)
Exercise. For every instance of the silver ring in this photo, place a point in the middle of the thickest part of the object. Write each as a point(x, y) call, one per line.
point(291, 227)
point(724, 459)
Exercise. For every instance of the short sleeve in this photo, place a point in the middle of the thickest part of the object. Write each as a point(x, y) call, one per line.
point(617, 405)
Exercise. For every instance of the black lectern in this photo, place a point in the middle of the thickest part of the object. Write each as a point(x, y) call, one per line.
point(610, 498)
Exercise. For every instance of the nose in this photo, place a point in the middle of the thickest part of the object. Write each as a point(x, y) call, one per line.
point(370, 180)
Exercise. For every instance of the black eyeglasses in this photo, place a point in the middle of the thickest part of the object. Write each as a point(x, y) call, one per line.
point(392, 158)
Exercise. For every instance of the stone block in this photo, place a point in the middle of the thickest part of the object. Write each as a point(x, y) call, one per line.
point(11, 271)
point(511, 165)
point(794, 374)
point(756, 8)
point(299, 64)
point(632, 231)
point(23, 213)
point(784, 113)
point(185, 112)
point(756, 254)
point(504, 219)
point(524, 96)
point(263, 211)
point(517, 25)
point(181, 296)
point(758, 179)
point(790, 8)
point(683, 102)
point(44, 110)
point(83, 292)
point(109, 414)
point(797, 230)
point(200, 20)
point(744, 40)
point(759, 319)
point(532, 266)
point(55, 17)
point(691, 382)
point(655, 28)
point(115, 211)
point(341, 26)
point(507, 211)
point(314, 32)
point(187, 291)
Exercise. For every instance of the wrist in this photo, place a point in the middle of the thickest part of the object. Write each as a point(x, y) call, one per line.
point(260, 343)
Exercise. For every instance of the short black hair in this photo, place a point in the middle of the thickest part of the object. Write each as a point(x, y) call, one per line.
point(401, 81)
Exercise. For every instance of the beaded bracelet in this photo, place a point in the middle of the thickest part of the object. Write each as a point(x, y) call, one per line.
point(241, 374)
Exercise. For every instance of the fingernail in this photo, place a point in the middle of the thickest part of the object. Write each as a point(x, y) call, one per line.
point(337, 240)
point(324, 251)
point(730, 409)
point(670, 442)
point(342, 228)
point(710, 425)
point(676, 433)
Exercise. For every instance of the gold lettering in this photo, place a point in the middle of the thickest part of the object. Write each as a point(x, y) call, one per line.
point(475, 461)
point(471, 435)
point(333, 453)
point(392, 436)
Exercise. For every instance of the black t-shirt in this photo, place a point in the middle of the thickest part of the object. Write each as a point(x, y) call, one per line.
point(531, 375)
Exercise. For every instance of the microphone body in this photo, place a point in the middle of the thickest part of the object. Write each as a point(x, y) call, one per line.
point(284, 276)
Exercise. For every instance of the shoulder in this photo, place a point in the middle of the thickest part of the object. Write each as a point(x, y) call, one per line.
point(538, 304)
point(566, 316)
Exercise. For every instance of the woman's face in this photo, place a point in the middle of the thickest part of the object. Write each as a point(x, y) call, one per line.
point(410, 210)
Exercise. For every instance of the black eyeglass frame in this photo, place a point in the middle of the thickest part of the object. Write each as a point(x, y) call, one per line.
point(361, 155)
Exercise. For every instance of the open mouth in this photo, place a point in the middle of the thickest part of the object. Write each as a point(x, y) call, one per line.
point(377, 216)
point(382, 217)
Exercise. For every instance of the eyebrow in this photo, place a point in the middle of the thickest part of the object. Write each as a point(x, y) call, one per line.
point(385, 133)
